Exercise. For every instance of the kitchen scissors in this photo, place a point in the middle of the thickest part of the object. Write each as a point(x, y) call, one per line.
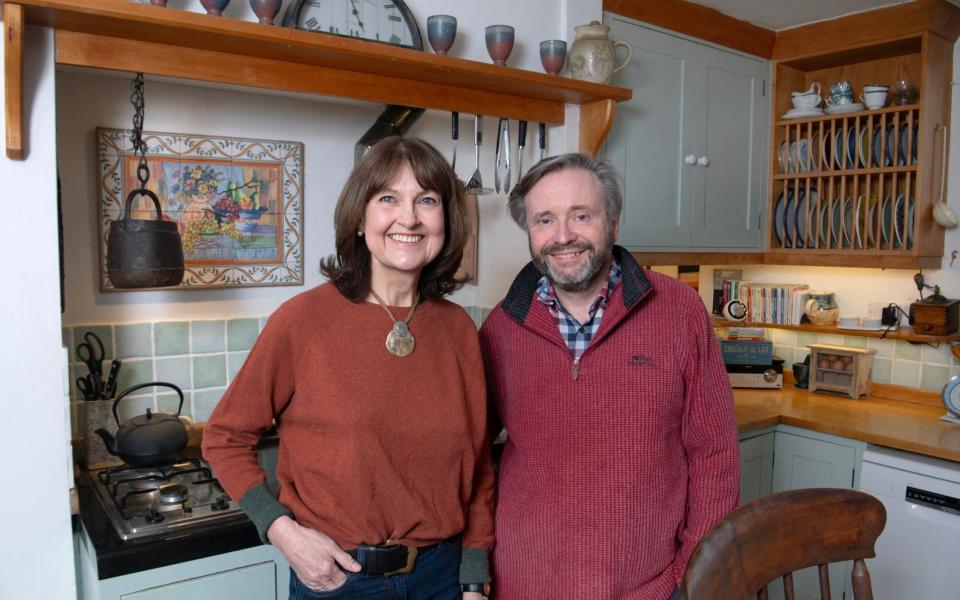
point(90, 352)
point(86, 387)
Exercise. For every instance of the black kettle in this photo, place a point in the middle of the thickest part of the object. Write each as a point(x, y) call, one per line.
point(149, 439)
point(143, 253)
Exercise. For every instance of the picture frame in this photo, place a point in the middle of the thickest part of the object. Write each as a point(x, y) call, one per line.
point(238, 203)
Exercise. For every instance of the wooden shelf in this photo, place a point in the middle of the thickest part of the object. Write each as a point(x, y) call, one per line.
point(843, 172)
point(850, 115)
point(120, 35)
point(903, 333)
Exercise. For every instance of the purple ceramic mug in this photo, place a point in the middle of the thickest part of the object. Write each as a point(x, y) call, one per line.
point(553, 53)
point(499, 42)
point(265, 10)
point(214, 7)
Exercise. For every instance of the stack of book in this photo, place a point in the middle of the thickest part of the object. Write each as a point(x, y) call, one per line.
point(777, 303)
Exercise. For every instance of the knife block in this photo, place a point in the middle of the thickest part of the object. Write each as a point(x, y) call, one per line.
point(99, 414)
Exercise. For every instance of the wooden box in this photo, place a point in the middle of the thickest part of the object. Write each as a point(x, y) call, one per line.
point(840, 369)
point(936, 318)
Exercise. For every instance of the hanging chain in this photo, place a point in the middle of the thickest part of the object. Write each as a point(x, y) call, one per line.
point(139, 146)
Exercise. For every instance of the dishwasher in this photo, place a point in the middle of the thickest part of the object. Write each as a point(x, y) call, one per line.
point(917, 553)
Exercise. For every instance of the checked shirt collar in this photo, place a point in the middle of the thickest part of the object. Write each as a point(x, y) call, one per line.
point(578, 335)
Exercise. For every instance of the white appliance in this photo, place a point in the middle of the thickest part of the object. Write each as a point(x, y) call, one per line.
point(918, 550)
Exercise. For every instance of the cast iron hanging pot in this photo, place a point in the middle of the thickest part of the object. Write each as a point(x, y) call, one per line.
point(149, 439)
point(143, 253)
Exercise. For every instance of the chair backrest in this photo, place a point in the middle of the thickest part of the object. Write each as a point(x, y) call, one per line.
point(777, 534)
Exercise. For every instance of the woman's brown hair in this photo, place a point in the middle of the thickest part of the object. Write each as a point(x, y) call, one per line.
point(349, 268)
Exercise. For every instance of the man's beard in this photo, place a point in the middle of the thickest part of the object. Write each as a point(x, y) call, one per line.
point(581, 278)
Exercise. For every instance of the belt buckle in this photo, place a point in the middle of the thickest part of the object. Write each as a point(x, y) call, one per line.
point(411, 559)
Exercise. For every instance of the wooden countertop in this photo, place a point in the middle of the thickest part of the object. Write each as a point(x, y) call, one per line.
point(901, 425)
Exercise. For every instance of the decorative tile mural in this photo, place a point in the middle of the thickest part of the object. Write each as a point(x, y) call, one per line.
point(238, 203)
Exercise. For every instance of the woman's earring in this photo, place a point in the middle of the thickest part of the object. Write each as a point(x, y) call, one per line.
point(359, 233)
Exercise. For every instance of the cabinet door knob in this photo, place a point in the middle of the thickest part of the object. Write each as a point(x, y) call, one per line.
point(690, 159)
point(703, 161)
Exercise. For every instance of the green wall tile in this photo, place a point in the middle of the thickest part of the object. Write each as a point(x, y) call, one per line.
point(235, 360)
point(167, 402)
point(209, 371)
point(881, 370)
point(907, 351)
point(171, 338)
point(855, 341)
point(805, 338)
point(242, 333)
point(134, 340)
point(133, 372)
point(207, 336)
point(934, 377)
point(175, 370)
point(204, 402)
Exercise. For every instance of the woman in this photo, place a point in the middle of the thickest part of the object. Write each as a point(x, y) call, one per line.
point(377, 389)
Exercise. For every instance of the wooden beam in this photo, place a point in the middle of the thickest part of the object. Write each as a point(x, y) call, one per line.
point(13, 78)
point(698, 21)
point(596, 118)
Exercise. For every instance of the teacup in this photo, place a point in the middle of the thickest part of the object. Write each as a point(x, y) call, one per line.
point(874, 99)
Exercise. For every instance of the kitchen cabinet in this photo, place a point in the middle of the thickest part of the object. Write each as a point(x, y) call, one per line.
point(257, 573)
point(124, 36)
point(806, 459)
point(756, 466)
point(690, 145)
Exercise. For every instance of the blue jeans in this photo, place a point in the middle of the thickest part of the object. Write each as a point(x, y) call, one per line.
point(436, 576)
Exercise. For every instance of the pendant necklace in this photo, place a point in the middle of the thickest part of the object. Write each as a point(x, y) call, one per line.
point(400, 341)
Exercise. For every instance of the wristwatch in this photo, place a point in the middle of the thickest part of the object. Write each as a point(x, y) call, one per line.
point(480, 588)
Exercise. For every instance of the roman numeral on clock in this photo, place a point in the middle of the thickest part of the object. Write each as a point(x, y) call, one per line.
point(395, 39)
point(394, 18)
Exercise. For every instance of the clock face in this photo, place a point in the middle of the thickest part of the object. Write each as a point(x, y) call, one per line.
point(380, 21)
point(951, 395)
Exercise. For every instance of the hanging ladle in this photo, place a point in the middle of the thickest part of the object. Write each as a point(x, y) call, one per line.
point(475, 185)
point(942, 213)
point(143, 253)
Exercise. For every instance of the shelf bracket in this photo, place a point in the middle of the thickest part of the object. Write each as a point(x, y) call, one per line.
point(596, 118)
point(13, 78)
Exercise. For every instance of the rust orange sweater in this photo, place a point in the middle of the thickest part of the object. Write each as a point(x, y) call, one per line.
point(372, 446)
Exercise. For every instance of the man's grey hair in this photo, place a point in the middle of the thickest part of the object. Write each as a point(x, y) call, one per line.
point(606, 176)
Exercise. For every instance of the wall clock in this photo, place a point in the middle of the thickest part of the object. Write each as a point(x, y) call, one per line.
point(390, 22)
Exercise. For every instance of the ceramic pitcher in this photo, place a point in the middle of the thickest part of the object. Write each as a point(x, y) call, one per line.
point(592, 55)
point(822, 308)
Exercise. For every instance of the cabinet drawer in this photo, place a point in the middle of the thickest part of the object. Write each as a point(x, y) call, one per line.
point(253, 582)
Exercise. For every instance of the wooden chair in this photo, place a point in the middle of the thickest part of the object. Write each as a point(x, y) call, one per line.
point(775, 535)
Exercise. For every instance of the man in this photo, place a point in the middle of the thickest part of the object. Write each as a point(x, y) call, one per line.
point(622, 449)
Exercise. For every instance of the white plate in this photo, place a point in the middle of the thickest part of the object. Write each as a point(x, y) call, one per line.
point(844, 108)
point(797, 113)
point(865, 328)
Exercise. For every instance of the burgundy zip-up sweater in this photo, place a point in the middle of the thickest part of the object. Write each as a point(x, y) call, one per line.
point(608, 482)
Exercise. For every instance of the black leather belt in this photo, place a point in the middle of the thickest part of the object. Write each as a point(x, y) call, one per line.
point(384, 559)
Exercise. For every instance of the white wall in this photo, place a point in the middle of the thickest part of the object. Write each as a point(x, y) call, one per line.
point(855, 288)
point(36, 553)
point(328, 129)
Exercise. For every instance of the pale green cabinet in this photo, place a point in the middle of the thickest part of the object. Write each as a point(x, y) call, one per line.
point(257, 573)
point(691, 145)
point(756, 466)
point(806, 459)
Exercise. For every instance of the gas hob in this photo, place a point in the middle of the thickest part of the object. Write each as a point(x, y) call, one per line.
point(164, 501)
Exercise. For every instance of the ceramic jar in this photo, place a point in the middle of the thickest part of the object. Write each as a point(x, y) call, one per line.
point(591, 58)
point(822, 308)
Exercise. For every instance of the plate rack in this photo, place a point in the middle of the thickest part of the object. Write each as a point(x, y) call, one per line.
point(847, 182)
